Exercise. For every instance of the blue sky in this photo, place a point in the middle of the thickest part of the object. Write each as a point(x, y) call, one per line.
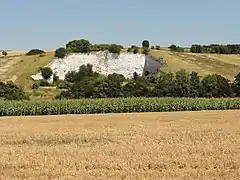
point(48, 24)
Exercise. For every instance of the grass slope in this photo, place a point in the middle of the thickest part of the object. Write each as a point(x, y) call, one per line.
point(225, 65)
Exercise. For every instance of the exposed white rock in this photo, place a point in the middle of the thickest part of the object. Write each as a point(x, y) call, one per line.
point(104, 63)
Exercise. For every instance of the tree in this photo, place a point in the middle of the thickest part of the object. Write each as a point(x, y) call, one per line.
point(152, 47)
point(10, 91)
point(4, 53)
point(115, 49)
point(35, 52)
point(60, 52)
point(145, 44)
point(46, 72)
point(78, 46)
point(164, 86)
point(195, 84)
point(157, 47)
point(215, 86)
point(182, 83)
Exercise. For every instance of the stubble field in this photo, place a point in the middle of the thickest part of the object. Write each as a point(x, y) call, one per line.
point(179, 145)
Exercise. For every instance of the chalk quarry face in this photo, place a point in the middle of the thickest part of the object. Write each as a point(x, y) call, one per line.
point(104, 63)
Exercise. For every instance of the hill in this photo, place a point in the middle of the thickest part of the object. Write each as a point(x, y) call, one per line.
point(19, 67)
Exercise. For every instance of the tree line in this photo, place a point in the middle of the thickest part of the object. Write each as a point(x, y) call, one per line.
point(216, 48)
point(88, 84)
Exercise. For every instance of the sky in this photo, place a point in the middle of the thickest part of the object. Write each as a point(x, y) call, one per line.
point(49, 24)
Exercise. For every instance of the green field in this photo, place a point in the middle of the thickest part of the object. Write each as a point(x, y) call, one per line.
point(115, 105)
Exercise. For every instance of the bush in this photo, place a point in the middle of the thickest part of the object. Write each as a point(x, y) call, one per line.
point(44, 82)
point(152, 47)
point(4, 53)
point(60, 53)
point(35, 52)
point(176, 48)
point(46, 72)
point(10, 91)
point(114, 49)
point(78, 46)
point(35, 85)
point(129, 50)
point(157, 47)
point(145, 44)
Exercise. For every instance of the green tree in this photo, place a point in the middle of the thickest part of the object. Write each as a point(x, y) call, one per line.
point(145, 44)
point(152, 47)
point(10, 91)
point(115, 49)
point(78, 46)
point(35, 52)
point(182, 83)
point(46, 72)
point(60, 52)
point(195, 84)
point(164, 86)
point(215, 86)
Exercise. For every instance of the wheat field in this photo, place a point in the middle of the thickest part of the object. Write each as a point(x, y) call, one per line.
point(179, 145)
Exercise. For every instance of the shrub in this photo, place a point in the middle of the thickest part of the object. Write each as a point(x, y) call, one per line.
point(10, 91)
point(157, 47)
point(145, 44)
point(46, 72)
point(78, 46)
point(114, 49)
point(60, 52)
point(129, 50)
point(4, 53)
point(35, 85)
point(35, 52)
point(152, 47)
point(176, 48)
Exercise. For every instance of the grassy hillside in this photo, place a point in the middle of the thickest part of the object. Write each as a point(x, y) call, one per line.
point(226, 65)
point(19, 67)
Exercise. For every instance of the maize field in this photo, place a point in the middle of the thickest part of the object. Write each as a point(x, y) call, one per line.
point(115, 105)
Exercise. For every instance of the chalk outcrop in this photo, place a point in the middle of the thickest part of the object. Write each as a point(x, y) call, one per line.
point(104, 63)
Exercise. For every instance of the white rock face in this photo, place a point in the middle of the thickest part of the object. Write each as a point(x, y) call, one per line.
point(104, 63)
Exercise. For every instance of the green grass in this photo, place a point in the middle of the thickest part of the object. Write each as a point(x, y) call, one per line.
point(118, 105)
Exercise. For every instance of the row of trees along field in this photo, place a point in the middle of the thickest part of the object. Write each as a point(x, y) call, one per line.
point(216, 48)
point(84, 46)
point(88, 84)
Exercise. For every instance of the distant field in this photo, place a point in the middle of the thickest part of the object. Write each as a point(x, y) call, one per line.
point(181, 145)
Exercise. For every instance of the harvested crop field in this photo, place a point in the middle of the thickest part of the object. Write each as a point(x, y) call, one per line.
point(179, 145)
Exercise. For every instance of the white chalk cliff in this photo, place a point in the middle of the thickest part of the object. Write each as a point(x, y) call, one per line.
point(104, 63)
